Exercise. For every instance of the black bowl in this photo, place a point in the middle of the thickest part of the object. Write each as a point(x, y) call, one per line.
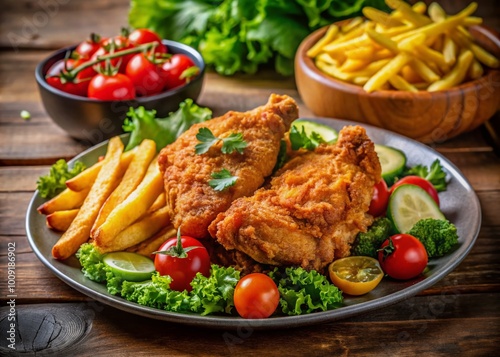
point(95, 120)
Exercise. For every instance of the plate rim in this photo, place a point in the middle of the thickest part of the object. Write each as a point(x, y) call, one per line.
point(219, 322)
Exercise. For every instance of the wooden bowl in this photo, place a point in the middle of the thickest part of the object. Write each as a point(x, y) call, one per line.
point(424, 116)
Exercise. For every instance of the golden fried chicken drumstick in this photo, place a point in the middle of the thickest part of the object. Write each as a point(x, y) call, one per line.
point(193, 203)
point(311, 211)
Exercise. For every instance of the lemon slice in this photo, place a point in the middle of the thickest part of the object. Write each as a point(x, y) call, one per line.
point(356, 275)
point(129, 266)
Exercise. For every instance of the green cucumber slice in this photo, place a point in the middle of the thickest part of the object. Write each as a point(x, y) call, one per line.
point(408, 204)
point(129, 266)
point(328, 134)
point(393, 162)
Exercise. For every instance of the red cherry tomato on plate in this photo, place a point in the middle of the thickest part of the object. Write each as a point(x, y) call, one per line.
point(418, 181)
point(182, 270)
point(256, 296)
point(380, 199)
point(173, 69)
point(117, 87)
point(142, 36)
point(145, 75)
point(402, 257)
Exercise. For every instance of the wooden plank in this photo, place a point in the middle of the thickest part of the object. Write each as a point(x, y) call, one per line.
point(15, 178)
point(52, 24)
point(397, 330)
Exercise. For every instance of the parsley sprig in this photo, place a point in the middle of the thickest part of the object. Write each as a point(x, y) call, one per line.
point(234, 142)
point(300, 139)
point(222, 180)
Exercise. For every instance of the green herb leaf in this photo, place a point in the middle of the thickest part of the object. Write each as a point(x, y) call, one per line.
point(50, 185)
point(222, 180)
point(234, 142)
point(143, 124)
point(299, 139)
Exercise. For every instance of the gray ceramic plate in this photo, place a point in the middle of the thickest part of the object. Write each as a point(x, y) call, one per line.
point(459, 203)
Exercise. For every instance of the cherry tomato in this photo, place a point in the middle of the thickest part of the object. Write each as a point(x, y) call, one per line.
point(256, 296)
point(173, 69)
point(182, 270)
point(116, 87)
point(58, 77)
point(145, 75)
point(88, 47)
point(380, 199)
point(114, 45)
point(421, 182)
point(141, 36)
point(402, 257)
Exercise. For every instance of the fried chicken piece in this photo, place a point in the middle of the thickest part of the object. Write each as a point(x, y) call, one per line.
point(193, 203)
point(313, 209)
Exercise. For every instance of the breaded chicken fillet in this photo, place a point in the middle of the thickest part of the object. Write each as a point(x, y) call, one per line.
point(312, 210)
point(193, 203)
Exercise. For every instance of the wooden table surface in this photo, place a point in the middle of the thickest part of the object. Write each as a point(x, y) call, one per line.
point(459, 315)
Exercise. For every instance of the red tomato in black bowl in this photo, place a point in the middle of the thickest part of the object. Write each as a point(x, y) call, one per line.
point(175, 71)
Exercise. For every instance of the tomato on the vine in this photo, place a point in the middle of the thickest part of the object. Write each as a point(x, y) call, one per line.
point(380, 199)
point(142, 36)
point(111, 87)
point(145, 75)
point(256, 296)
point(418, 181)
point(177, 71)
point(402, 257)
point(87, 48)
point(182, 258)
point(114, 45)
point(58, 76)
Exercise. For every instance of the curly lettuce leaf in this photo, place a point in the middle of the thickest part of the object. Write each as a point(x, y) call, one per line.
point(50, 185)
point(143, 124)
point(304, 292)
point(214, 293)
point(90, 259)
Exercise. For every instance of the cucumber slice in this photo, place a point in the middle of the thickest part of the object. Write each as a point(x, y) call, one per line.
point(408, 204)
point(393, 162)
point(129, 266)
point(328, 134)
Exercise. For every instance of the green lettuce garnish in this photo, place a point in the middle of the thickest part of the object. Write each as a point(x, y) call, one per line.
point(50, 185)
point(303, 292)
point(143, 124)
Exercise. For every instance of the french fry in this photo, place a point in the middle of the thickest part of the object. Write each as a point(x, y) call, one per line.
point(66, 200)
point(481, 54)
point(456, 75)
point(360, 81)
point(475, 70)
point(61, 220)
point(351, 65)
point(410, 75)
point(424, 71)
point(325, 57)
point(400, 83)
point(356, 42)
point(327, 38)
point(152, 244)
point(381, 17)
point(131, 179)
point(137, 232)
point(390, 69)
point(129, 210)
point(407, 13)
point(160, 202)
point(382, 40)
point(79, 230)
point(352, 24)
point(361, 53)
point(86, 178)
point(427, 54)
point(449, 51)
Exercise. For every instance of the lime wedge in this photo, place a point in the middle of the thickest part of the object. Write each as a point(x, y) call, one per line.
point(129, 266)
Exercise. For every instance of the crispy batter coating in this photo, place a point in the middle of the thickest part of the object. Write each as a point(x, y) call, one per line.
point(193, 203)
point(311, 211)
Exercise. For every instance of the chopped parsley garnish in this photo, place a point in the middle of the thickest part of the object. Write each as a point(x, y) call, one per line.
point(222, 180)
point(234, 142)
point(300, 139)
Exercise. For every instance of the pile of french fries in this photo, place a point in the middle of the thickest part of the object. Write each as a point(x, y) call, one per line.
point(117, 204)
point(404, 50)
